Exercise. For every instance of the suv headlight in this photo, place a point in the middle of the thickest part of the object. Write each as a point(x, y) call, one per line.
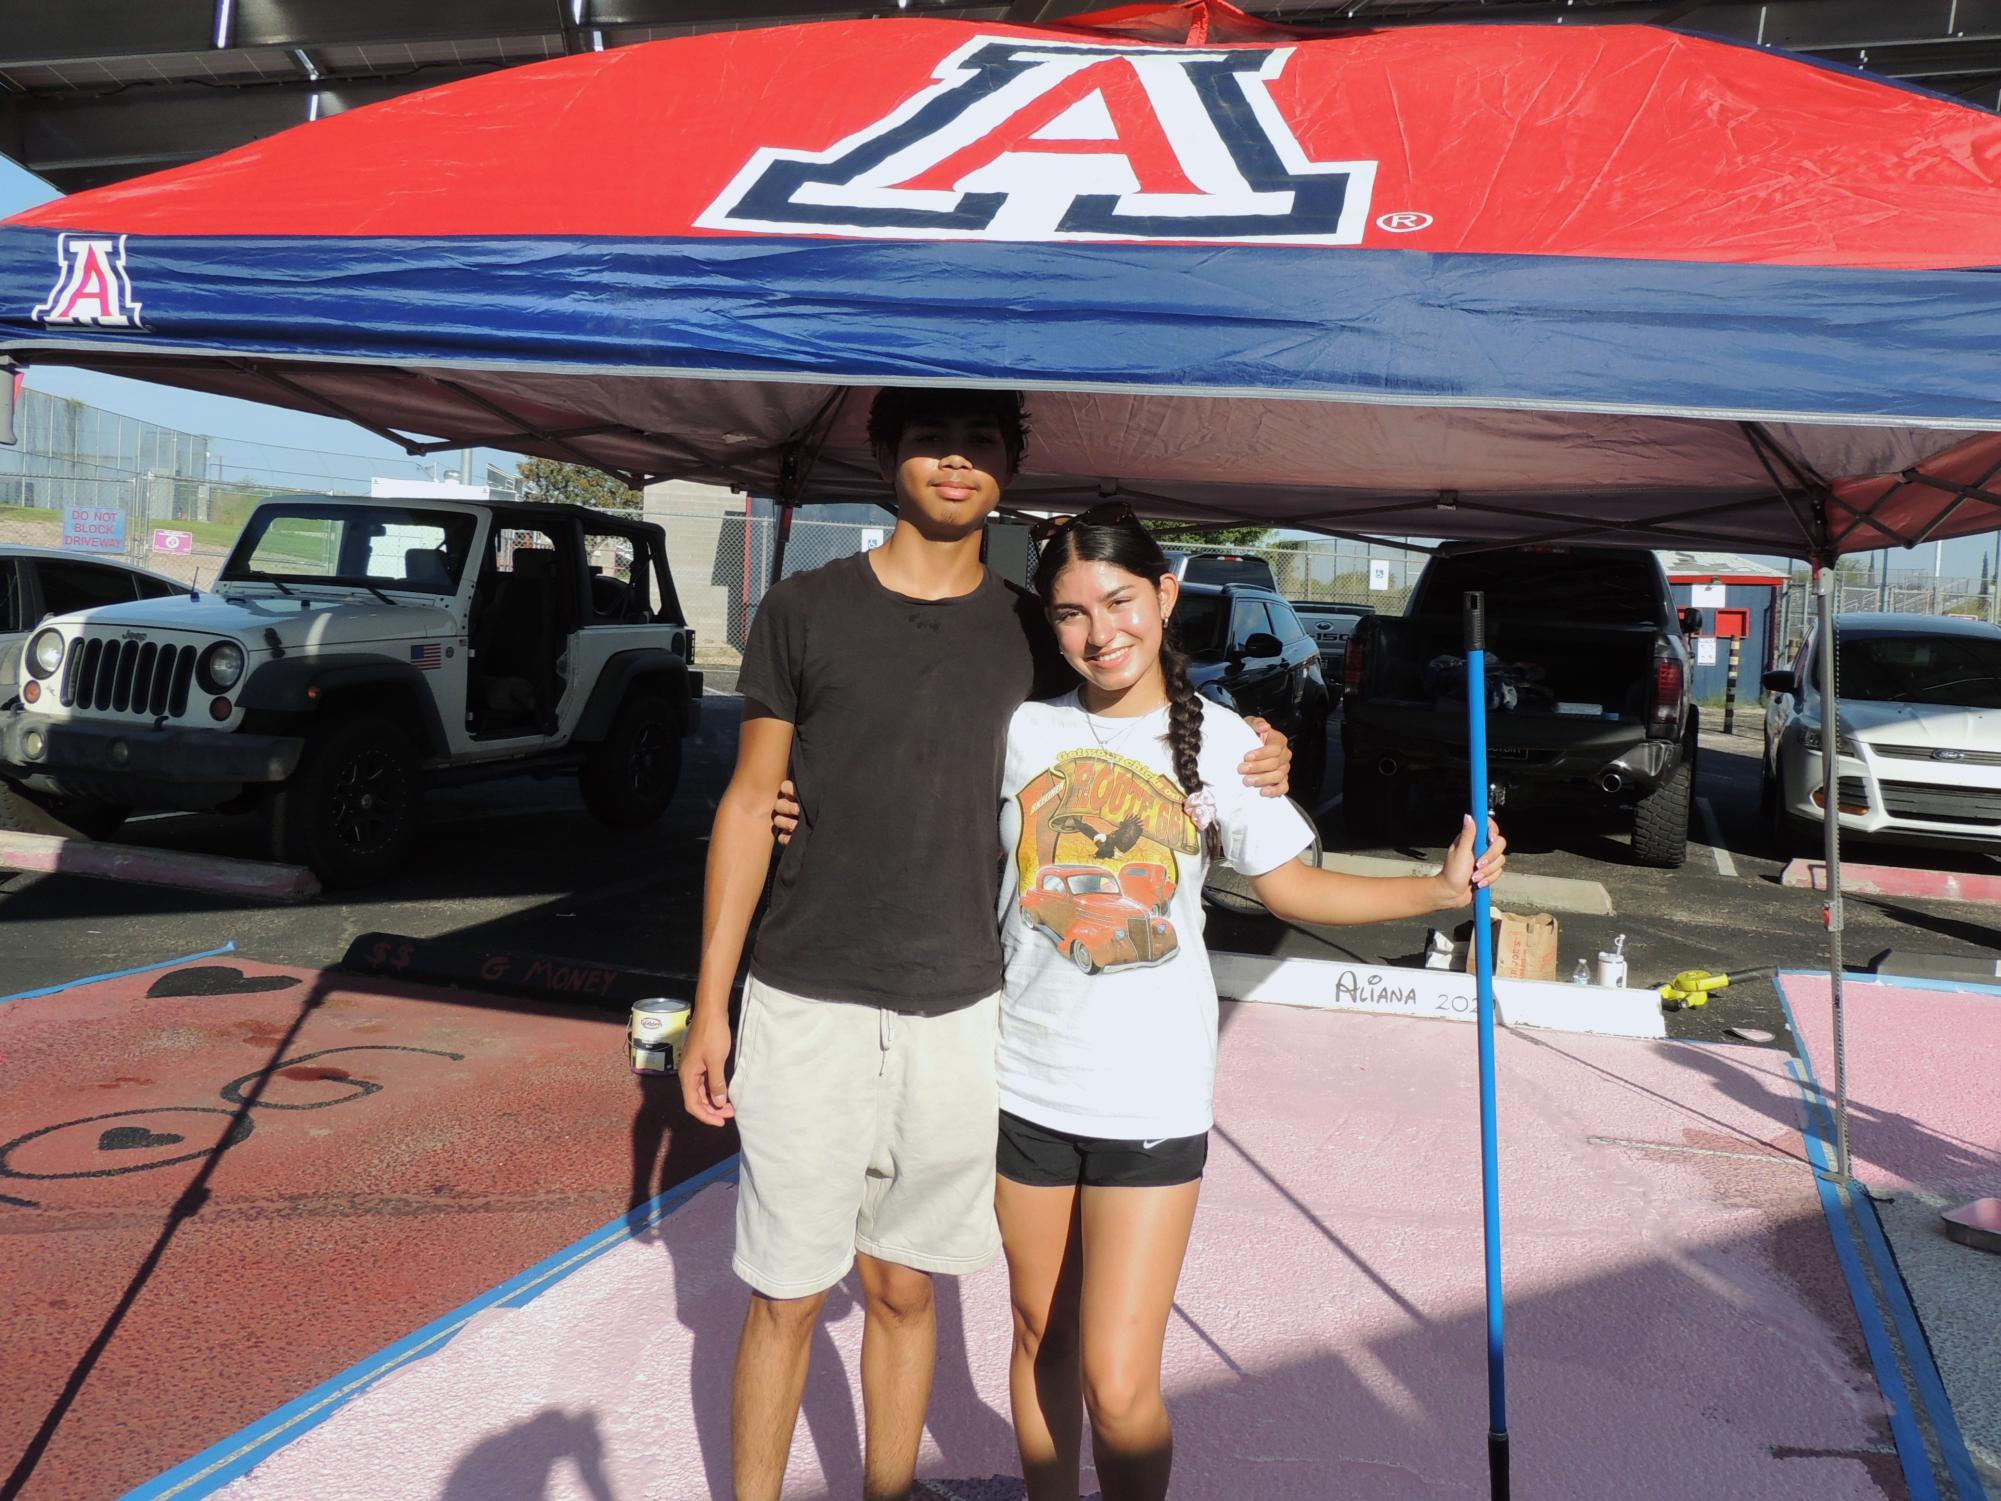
point(45, 653)
point(1844, 743)
point(220, 667)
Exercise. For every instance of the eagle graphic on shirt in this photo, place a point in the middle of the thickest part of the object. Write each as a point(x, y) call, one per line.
point(1098, 860)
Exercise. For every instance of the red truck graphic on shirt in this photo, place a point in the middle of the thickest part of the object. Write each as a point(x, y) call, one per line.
point(1103, 921)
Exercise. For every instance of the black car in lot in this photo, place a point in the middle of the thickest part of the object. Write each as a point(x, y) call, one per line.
point(1330, 624)
point(1249, 652)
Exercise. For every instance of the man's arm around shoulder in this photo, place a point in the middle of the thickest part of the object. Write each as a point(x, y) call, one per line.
point(739, 859)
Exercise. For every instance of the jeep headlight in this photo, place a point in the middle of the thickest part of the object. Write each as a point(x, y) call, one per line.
point(220, 667)
point(45, 653)
point(1844, 743)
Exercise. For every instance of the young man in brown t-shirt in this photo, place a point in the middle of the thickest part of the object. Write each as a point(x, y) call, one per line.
point(865, 1090)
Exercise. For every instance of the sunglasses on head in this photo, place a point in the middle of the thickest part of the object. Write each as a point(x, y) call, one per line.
point(1111, 513)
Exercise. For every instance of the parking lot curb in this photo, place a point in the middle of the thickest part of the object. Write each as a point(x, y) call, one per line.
point(1520, 890)
point(1892, 880)
point(50, 854)
point(1435, 994)
point(538, 977)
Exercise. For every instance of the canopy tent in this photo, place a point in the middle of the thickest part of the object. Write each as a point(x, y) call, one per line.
point(1599, 284)
point(1603, 283)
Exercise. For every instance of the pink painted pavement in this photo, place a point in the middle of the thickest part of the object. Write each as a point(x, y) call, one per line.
point(1924, 1112)
point(409, 1148)
point(1677, 1324)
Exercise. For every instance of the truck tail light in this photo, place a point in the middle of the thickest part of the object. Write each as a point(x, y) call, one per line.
point(1355, 661)
point(1664, 714)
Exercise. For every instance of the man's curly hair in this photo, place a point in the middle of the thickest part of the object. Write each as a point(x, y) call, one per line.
point(896, 407)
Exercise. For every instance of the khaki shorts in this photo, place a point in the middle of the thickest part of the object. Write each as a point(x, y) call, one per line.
point(863, 1130)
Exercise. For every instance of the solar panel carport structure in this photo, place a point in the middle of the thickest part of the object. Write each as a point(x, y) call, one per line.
point(1608, 284)
point(95, 91)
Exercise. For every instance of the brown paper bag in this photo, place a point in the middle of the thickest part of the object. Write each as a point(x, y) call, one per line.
point(1524, 947)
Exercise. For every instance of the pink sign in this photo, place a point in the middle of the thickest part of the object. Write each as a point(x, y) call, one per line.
point(182, 543)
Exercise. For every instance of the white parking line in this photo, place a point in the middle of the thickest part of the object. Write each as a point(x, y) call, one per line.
point(1725, 866)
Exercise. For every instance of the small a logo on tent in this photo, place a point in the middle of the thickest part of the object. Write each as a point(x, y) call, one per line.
point(91, 286)
point(1045, 140)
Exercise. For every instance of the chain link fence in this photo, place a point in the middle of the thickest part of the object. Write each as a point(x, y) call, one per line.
point(96, 483)
point(722, 563)
point(1901, 593)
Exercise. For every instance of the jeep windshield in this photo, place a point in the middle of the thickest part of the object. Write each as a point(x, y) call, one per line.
point(353, 546)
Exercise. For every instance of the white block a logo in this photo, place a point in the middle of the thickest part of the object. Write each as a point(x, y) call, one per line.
point(91, 288)
point(1047, 140)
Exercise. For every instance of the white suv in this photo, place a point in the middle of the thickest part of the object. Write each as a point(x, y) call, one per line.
point(353, 651)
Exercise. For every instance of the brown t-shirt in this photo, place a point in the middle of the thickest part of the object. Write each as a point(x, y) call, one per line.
point(900, 706)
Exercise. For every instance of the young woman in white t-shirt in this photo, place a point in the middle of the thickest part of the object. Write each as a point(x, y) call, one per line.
point(1115, 799)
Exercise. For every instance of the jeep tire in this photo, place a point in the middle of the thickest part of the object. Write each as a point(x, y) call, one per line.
point(25, 812)
point(1660, 820)
point(349, 813)
point(628, 778)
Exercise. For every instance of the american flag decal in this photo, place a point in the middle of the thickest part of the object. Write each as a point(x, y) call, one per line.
point(428, 657)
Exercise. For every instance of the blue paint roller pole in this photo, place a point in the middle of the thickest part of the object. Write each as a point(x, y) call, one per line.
point(1483, 949)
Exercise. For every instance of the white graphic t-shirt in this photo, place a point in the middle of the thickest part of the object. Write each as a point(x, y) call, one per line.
point(1108, 1019)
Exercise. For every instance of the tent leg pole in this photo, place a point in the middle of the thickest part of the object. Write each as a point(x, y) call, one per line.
point(1830, 740)
point(778, 551)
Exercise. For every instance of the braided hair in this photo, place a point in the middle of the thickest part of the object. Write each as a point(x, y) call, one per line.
point(1127, 546)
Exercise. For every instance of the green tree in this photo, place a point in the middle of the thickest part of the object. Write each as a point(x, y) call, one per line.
point(551, 482)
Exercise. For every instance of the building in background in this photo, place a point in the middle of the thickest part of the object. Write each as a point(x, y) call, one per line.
point(1738, 597)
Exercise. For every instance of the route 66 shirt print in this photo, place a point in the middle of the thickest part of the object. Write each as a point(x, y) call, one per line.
point(1108, 1016)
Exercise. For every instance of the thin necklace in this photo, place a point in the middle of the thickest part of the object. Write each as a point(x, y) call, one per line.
point(1119, 737)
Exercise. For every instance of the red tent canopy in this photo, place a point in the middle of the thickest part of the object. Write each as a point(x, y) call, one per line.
point(1481, 281)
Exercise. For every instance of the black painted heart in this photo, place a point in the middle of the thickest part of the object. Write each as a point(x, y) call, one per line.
point(134, 1138)
point(217, 979)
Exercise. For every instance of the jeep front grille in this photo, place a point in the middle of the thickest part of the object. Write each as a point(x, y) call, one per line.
point(127, 677)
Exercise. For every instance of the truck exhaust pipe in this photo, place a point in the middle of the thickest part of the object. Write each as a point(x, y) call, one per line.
point(1611, 781)
point(1387, 766)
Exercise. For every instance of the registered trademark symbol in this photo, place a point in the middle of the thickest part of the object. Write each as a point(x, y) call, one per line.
point(1403, 223)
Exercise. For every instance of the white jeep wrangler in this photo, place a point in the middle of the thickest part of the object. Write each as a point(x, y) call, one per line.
point(353, 652)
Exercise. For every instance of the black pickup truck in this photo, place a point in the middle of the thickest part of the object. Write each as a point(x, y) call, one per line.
point(1587, 692)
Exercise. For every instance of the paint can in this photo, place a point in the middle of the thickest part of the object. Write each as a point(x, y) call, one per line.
point(658, 1034)
point(1610, 968)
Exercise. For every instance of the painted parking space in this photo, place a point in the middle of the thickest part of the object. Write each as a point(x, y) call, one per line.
point(225, 1181)
point(1678, 1324)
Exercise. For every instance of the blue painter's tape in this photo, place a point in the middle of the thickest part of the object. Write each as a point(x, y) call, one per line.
point(1911, 1455)
point(1932, 1394)
point(1907, 982)
point(238, 1454)
point(1913, 982)
point(119, 974)
point(1937, 1402)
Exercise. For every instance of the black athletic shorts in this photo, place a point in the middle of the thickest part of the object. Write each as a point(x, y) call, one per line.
point(1042, 1158)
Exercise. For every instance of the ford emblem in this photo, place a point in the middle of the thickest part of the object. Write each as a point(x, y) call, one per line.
point(1948, 755)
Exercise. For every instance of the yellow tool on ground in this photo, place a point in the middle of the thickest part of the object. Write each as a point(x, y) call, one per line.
point(1693, 987)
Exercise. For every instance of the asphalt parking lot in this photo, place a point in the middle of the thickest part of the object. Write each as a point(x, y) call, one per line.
point(521, 865)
